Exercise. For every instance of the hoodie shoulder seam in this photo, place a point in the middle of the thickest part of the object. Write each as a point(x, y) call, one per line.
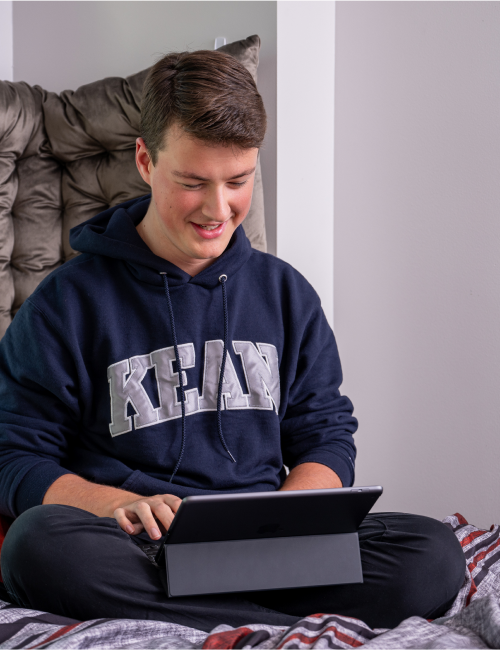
point(64, 267)
point(32, 298)
point(43, 314)
point(81, 259)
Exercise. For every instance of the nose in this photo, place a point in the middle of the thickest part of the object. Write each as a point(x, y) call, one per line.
point(216, 205)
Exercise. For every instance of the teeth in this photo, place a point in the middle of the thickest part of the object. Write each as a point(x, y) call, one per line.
point(209, 227)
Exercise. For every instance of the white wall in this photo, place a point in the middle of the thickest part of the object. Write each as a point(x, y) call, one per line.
point(6, 45)
point(306, 73)
point(417, 249)
point(65, 44)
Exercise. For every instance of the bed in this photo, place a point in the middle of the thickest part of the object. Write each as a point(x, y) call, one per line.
point(473, 621)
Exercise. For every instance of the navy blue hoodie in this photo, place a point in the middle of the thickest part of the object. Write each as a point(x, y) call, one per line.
point(89, 378)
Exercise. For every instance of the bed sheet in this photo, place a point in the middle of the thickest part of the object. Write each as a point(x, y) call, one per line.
point(473, 621)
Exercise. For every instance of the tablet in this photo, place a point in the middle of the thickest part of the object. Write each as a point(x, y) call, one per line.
point(259, 515)
point(255, 541)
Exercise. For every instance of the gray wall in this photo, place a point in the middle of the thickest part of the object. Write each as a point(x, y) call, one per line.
point(417, 249)
point(61, 45)
point(417, 205)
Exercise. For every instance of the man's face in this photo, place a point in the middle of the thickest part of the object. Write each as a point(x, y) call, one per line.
point(200, 195)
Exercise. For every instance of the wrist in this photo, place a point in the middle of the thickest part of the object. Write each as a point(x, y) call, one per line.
point(118, 499)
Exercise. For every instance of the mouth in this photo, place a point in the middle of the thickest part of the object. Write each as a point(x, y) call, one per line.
point(209, 231)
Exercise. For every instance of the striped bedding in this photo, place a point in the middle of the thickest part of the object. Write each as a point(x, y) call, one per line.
point(472, 622)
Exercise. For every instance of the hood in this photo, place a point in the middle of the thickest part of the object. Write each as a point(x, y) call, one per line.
point(113, 233)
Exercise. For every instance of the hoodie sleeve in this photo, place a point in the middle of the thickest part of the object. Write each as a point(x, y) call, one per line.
point(39, 410)
point(318, 423)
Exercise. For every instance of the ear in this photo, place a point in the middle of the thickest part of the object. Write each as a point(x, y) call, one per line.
point(143, 160)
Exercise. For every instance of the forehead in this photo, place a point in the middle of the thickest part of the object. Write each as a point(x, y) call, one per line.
point(183, 153)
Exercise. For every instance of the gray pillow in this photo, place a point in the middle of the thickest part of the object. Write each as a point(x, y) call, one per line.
point(63, 159)
point(30, 199)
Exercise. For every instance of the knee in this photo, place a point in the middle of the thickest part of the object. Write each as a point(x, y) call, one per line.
point(27, 528)
point(26, 547)
point(30, 541)
point(447, 564)
point(418, 561)
point(444, 553)
point(437, 570)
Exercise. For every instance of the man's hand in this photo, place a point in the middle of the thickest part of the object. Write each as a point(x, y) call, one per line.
point(153, 514)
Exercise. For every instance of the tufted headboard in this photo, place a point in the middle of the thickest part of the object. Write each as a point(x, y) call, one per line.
point(63, 159)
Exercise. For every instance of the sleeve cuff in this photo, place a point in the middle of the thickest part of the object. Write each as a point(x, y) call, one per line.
point(35, 484)
point(344, 468)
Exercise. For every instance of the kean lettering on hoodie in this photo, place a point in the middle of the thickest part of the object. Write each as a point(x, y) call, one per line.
point(260, 366)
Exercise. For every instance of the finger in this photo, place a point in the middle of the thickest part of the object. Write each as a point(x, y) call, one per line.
point(132, 528)
point(138, 528)
point(163, 514)
point(143, 511)
point(172, 501)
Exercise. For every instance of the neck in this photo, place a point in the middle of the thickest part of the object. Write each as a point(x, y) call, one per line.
point(162, 247)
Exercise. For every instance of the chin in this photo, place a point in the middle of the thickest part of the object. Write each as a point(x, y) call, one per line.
point(213, 250)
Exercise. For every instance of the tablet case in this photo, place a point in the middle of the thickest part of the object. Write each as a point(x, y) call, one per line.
point(222, 546)
point(258, 564)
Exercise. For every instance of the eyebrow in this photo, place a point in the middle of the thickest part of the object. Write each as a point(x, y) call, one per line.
point(195, 177)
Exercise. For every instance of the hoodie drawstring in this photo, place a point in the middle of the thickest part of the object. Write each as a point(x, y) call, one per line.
point(179, 370)
point(222, 280)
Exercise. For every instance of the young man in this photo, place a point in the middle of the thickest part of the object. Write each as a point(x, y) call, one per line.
point(171, 359)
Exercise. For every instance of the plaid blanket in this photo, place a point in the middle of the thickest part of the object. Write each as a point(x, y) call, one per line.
point(473, 621)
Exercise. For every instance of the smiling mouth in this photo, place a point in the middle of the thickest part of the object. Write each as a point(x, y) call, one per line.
point(209, 231)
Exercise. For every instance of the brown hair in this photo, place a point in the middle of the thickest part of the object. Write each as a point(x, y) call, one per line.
point(209, 94)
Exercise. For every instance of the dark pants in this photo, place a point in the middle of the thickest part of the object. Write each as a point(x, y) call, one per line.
point(69, 562)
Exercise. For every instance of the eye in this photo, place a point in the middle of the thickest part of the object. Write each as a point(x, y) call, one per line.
point(192, 187)
point(238, 184)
